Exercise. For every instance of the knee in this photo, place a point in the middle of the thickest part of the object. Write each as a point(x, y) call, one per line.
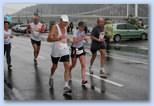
point(72, 65)
point(35, 51)
point(83, 66)
point(54, 67)
point(102, 53)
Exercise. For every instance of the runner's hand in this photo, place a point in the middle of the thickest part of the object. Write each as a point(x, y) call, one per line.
point(101, 40)
point(42, 29)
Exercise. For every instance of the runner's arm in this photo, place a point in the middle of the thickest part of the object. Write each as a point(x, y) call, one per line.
point(53, 35)
point(94, 38)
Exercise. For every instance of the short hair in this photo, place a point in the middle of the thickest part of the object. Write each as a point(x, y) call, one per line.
point(100, 18)
point(6, 22)
point(81, 23)
point(36, 14)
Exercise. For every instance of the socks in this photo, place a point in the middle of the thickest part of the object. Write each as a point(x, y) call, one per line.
point(66, 84)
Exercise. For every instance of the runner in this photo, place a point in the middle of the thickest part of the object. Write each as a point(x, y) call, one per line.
point(7, 44)
point(60, 50)
point(98, 44)
point(108, 29)
point(77, 51)
point(36, 28)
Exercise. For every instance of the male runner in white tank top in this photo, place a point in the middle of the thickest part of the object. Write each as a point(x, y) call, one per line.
point(60, 50)
point(36, 28)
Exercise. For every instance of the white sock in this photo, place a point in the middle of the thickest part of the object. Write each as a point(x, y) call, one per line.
point(66, 84)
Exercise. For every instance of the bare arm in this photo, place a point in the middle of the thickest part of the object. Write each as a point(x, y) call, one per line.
point(95, 38)
point(53, 35)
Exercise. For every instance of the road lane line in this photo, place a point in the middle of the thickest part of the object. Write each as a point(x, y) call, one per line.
point(127, 59)
point(17, 94)
point(120, 58)
point(100, 91)
point(106, 80)
point(14, 93)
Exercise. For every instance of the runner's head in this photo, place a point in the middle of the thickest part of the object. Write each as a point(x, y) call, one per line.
point(108, 21)
point(36, 18)
point(100, 21)
point(81, 26)
point(6, 24)
point(64, 20)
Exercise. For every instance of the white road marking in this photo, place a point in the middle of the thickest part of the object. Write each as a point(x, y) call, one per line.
point(127, 59)
point(106, 80)
point(100, 91)
point(17, 94)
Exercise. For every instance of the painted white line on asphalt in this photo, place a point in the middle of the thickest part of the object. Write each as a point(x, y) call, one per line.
point(106, 80)
point(17, 94)
point(127, 59)
point(100, 91)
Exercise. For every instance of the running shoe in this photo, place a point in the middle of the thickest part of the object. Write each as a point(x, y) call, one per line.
point(67, 90)
point(10, 67)
point(84, 82)
point(103, 73)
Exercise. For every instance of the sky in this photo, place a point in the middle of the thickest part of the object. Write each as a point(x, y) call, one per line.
point(12, 8)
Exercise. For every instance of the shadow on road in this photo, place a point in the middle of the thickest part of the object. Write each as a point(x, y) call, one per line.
point(51, 90)
point(38, 86)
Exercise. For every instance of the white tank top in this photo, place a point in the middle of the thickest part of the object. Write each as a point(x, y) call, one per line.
point(35, 35)
point(7, 34)
point(60, 48)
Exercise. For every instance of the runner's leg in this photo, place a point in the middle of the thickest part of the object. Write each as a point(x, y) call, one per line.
point(103, 73)
point(74, 60)
point(83, 68)
point(35, 50)
point(102, 57)
point(38, 50)
point(66, 72)
point(53, 69)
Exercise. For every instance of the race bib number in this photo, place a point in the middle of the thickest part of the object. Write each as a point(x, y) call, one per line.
point(78, 52)
point(101, 35)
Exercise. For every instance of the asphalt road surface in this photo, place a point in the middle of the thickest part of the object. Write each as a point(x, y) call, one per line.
point(128, 79)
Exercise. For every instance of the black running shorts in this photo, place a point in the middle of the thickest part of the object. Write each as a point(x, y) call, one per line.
point(35, 42)
point(55, 60)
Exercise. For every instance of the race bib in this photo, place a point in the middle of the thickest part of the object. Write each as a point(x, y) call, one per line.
point(78, 52)
point(101, 35)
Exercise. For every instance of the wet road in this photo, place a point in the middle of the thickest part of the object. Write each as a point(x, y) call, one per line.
point(128, 79)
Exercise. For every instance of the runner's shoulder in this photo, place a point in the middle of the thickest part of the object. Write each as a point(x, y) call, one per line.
point(54, 29)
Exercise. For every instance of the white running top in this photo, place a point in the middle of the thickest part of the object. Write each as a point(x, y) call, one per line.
point(7, 34)
point(60, 48)
point(35, 35)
